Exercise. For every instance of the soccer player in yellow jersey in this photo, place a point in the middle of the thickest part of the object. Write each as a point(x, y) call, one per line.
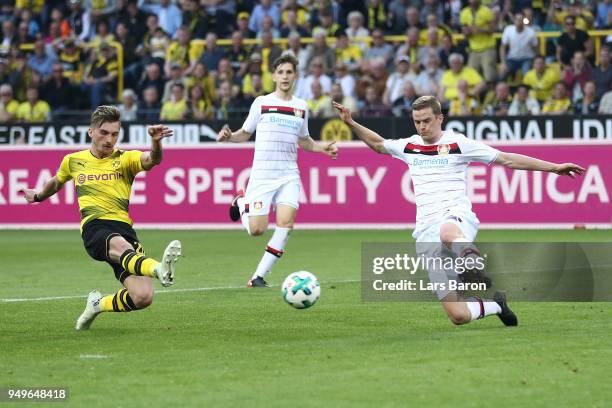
point(103, 176)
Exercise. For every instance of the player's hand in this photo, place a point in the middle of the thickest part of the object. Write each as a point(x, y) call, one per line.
point(224, 134)
point(343, 111)
point(331, 150)
point(569, 169)
point(158, 132)
point(28, 194)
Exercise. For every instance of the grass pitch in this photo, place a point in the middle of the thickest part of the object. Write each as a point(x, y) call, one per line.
point(210, 342)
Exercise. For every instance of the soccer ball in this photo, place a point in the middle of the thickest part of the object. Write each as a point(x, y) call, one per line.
point(301, 289)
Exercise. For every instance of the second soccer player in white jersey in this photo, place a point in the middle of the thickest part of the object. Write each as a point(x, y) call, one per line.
point(438, 161)
point(280, 121)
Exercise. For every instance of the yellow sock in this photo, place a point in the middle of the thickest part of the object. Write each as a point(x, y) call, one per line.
point(119, 302)
point(138, 264)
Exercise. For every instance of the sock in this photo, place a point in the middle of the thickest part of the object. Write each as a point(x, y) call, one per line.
point(119, 302)
point(460, 245)
point(274, 251)
point(244, 214)
point(138, 264)
point(480, 308)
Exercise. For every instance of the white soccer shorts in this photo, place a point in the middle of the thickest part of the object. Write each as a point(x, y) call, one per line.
point(259, 196)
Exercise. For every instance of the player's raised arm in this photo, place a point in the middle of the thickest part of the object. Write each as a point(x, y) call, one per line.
point(328, 148)
point(522, 162)
point(154, 157)
point(374, 141)
point(239, 136)
point(52, 186)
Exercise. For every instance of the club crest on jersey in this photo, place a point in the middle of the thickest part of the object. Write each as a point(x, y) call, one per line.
point(257, 205)
point(443, 149)
point(298, 112)
point(116, 164)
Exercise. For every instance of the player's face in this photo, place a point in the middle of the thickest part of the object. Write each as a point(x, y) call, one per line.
point(104, 138)
point(284, 77)
point(428, 125)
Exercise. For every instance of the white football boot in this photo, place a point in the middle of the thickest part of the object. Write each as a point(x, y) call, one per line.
point(166, 268)
point(92, 309)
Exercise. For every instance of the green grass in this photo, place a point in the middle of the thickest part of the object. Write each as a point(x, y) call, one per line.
point(240, 347)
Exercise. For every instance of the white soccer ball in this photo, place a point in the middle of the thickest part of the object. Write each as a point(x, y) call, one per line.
point(301, 289)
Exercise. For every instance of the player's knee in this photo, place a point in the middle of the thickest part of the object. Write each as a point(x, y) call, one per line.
point(447, 237)
point(142, 298)
point(285, 224)
point(458, 317)
point(257, 230)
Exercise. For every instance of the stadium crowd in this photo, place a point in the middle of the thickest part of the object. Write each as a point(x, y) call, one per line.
point(58, 56)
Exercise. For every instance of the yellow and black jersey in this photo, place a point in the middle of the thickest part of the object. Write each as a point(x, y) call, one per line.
point(103, 186)
point(72, 64)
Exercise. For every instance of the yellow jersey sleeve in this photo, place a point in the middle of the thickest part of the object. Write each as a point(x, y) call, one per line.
point(132, 163)
point(63, 173)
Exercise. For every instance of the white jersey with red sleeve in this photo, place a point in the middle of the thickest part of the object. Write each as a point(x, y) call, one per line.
point(439, 173)
point(278, 124)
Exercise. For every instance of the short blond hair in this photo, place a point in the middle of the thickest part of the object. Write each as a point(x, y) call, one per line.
point(104, 114)
point(427, 101)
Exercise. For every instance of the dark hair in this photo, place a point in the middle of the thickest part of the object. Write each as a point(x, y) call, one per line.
point(103, 114)
point(285, 59)
point(427, 101)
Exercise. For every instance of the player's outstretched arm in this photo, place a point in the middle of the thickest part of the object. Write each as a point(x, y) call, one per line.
point(226, 135)
point(51, 187)
point(374, 141)
point(154, 157)
point(328, 148)
point(522, 162)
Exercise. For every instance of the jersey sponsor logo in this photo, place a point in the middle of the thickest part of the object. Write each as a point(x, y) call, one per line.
point(288, 123)
point(283, 110)
point(432, 150)
point(82, 178)
point(434, 162)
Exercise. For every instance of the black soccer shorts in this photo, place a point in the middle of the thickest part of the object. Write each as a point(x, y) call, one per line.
point(97, 235)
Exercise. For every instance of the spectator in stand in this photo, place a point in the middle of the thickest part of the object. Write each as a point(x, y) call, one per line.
point(432, 46)
point(583, 16)
point(224, 73)
point(576, 75)
point(79, 20)
point(21, 76)
point(265, 8)
point(100, 77)
point(72, 58)
point(394, 87)
point(292, 24)
point(176, 107)
point(195, 19)
point(497, 103)
point(255, 69)
point(8, 37)
point(411, 20)
point(158, 46)
point(168, 14)
point(268, 27)
point(349, 54)
point(458, 72)
point(303, 87)
point(345, 80)
point(327, 23)
point(559, 103)
point(132, 66)
point(197, 106)
point(402, 106)
point(478, 25)
point(149, 107)
point(542, 79)
point(356, 29)
point(605, 104)
point(379, 48)
point(411, 46)
point(129, 107)
point(588, 104)
point(446, 49)
point(373, 106)
point(523, 104)
point(602, 74)
point(60, 94)
point(181, 52)
point(397, 14)
point(227, 107)
point(102, 34)
point(8, 105)
point(134, 19)
point(256, 88)
point(40, 61)
point(242, 25)
point(31, 23)
point(143, 51)
point(432, 8)
point(268, 50)
point(238, 54)
point(518, 47)
point(33, 109)
point(24, 39)
point(603, 18)
point(152, 78)
point(319, 49)
point(464, 104)
point(202, 77)
point(428, 80)
point(60, 22)
point(348, 101)
point(377, 15)
point(212, 53)
point(433, 22)
point(294, 44)
point(573, 40)
point(319, 104)
point(175, 76)
point(376, 76)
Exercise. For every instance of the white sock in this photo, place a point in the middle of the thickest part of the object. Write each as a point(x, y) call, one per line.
point(459, 245)
point(274, 251)
point(480, 308)
point(244, 217)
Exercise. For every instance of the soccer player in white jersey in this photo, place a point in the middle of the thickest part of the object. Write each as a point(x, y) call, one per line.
point(280, 121)
point(438, 161)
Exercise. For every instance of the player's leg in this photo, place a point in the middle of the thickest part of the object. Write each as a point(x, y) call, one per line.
point(286, 200)
point(252, 208)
